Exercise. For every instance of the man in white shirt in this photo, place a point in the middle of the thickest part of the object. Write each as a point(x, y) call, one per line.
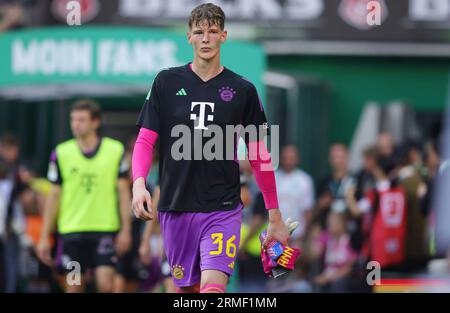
point(295, 189)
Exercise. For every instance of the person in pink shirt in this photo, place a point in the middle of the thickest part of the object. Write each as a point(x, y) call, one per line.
point(337, 255)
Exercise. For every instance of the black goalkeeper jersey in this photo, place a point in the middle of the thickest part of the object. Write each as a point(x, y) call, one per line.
point(188, 114)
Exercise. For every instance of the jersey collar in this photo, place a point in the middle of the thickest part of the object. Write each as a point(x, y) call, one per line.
point(189, 69)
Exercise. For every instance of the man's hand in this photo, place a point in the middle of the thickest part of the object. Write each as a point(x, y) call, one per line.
point(277, 229)
point(322, 279)
point(43, 251)
point(123, 242)
point(141, 197)
point(145, 253)
point(350, 194)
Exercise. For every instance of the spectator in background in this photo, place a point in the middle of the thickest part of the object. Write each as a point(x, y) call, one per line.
point(383, 210)
point(409, 178)
point(251, 274)
point(152, 255)
point(364, 178)
point(130, 270)
point(432, 159)
point(332, 190)
point(385, 144)
point(12, 222)
point(12, 15)
point(310, 256)
point(365, 181)
point(158, 276)
point(337, 255)
point(37, 275)
point(432, 162)
point(415, 153)
point(295, 190)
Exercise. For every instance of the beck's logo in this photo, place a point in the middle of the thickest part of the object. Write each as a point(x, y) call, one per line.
point(199, 120)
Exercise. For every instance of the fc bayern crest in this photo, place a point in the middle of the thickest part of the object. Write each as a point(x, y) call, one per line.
point(89, 9)
point(356, 12)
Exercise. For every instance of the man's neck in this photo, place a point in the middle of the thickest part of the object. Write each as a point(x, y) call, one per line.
point(339, 174)
point(88, 143)
point(206, 69)
point(289, 170)
point(338, 236)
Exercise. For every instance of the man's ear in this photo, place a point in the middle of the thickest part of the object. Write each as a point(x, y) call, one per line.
point(224, 36)
point(189, 36)
point(97, 122)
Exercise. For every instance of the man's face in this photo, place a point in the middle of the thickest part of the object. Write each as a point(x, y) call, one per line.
point(82, 124)
point(385, 144)
point(338, 157)
point(206, 40)
point(289, 158)
point(369, 163)
point(9, 153)
point(335, 223)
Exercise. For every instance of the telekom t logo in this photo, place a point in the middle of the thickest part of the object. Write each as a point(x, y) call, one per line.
point(201, 117)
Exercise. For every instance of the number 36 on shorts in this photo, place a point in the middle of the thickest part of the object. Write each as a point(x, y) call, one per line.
point(230, 247)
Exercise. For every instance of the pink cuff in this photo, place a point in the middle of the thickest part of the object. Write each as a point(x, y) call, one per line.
point(143, 153)
point(261, 164)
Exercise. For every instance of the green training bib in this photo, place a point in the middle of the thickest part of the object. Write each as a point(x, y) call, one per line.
point(89, 197)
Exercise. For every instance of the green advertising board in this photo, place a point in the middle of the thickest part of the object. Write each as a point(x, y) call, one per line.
point(105, 57)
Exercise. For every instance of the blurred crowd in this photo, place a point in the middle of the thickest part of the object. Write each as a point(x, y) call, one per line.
point(23, 198)
point(12, 14)
point(381, 213)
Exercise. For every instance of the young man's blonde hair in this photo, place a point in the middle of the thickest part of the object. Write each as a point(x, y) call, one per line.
point(208, 12)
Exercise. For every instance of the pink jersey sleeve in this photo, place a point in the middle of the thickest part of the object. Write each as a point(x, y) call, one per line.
point(261, 164)
point(143, 153)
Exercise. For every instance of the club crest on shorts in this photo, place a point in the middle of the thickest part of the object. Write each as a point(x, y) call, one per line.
point(178, 271)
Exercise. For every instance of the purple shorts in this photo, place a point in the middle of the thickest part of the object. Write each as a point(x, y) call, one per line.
point(200, 241)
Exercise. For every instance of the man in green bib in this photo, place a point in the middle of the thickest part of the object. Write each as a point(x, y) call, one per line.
point(89, 202)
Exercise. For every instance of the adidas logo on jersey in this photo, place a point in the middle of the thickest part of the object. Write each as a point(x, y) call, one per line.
point(181, 92)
